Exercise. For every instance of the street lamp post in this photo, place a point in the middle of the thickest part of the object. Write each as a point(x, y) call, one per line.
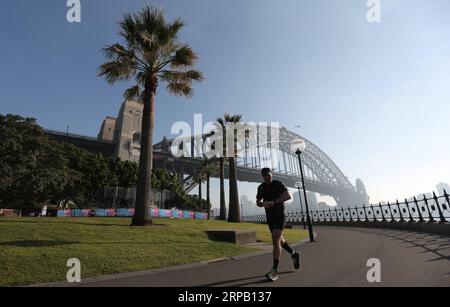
point(299, 185)
point(298, 147)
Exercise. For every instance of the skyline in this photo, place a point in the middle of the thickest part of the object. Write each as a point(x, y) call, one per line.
point(374, 94)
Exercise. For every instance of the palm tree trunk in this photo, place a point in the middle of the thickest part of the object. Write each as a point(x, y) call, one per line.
point(223, 209)
point(143, 191)
point(234, 209)
point(208, 198)
point(200, 195)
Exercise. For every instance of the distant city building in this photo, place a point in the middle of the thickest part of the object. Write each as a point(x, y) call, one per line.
point(247, 206)
point(295, 205)
point(443, 186)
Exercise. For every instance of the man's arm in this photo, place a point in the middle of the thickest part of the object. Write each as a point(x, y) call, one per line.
point(259, 202)
point(259, 198)
point(284, 197)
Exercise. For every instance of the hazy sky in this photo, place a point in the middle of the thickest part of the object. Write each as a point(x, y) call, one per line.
point(374, 96)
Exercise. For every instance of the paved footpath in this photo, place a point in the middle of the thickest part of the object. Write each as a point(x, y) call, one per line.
point(337, 258)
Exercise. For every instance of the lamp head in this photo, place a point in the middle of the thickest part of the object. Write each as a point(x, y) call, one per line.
point(298, 146)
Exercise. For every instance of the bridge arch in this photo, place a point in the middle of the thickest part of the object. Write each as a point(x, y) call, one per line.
point(322, 175)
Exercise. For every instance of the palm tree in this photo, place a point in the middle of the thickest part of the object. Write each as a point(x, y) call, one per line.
point(234, 214)
point(199, 177)
point(151, 53)
point(209, 167)
point(223, 208)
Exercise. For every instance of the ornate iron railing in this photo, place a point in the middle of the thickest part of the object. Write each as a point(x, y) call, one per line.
point(428, 209)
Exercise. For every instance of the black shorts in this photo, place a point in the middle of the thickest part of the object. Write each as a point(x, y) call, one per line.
point(276, 221)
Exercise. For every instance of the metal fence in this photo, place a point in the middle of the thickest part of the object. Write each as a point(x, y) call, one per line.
point(427, 209)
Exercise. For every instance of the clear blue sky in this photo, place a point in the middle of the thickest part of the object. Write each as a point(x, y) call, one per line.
point(374, 96)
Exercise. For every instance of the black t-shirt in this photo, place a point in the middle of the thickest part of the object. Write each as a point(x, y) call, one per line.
point(270, 192)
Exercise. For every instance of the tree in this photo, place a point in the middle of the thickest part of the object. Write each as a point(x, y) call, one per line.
point(209, 168)
point(36, 169)
point(123, 173)
point(90, 175)
point(234, 214)
point(223, 207)
point(166, 180)
point(32, 167)
point(151, 53)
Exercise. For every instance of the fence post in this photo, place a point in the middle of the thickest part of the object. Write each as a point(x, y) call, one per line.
point(343, 214)
point(446, 198)
point(365, 212)
point(409, 211)
point(350, 213)
point(382, 213)
point(373, 213)
point(429, 211)
point(390, 210)
point(357, 214)
point(421, 220)
point(400, 212)
point(441, 216)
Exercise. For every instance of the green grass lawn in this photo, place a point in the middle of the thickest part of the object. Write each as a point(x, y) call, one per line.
point(35, 250)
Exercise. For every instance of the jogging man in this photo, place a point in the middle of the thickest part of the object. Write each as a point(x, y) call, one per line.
point(271, 195)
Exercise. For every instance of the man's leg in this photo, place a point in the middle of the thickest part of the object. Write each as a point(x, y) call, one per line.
point(294, 254)
point(273, 273)
point(276, 240)
point(286, 246)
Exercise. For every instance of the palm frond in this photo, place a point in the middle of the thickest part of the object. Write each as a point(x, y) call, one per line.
point(116, 51)
point(133, 93)
point(221, 122)
point(180, 89)
point(129, 29)
point(181, 76)
point(152, 18)
point(151, 44)
point(141, 77)
point(184, 57)
point(116, 71)
point(232, 118)
point(174, 28)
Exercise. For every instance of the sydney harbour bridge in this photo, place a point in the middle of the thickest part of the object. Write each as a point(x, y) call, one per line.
point(322, 175)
